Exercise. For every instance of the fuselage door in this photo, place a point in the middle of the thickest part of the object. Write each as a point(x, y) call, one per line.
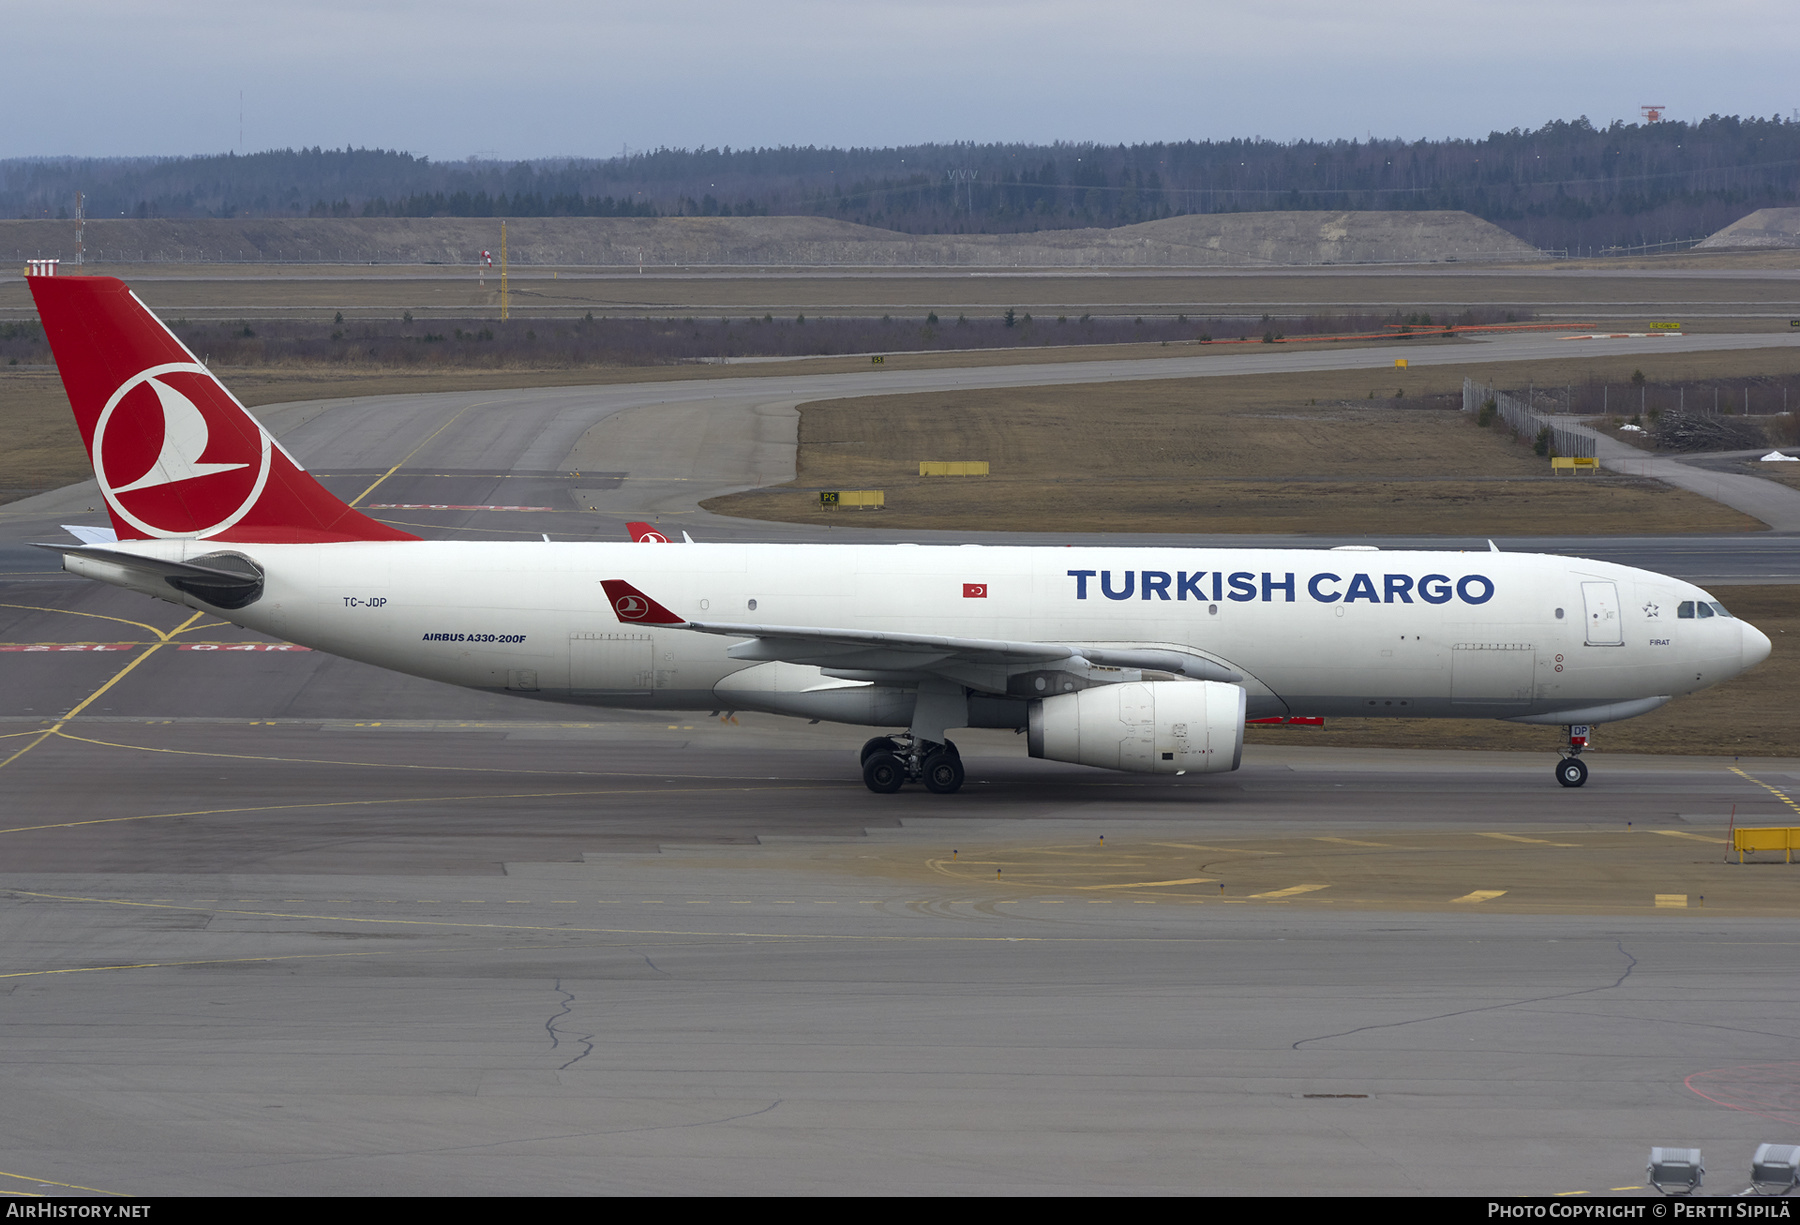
point(1605, 628)
point(610, 664)
point(1492, 673)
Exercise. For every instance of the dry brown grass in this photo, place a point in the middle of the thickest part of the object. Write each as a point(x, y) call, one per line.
point(1614, 289)
point(1766, 259)
point(42, 449)
point(1288, 453)
point(1753, 715)
point(1787, 474)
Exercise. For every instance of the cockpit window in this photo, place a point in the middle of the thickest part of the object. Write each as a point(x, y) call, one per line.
point(1703, 608)
point(1685, 610)
point(1720, 609)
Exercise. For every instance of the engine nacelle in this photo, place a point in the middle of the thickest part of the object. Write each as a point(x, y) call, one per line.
point(1155, 727)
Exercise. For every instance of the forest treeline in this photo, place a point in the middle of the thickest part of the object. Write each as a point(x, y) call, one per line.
point(1566, 186)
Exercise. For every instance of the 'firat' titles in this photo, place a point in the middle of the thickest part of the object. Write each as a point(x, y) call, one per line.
point(1246, 587)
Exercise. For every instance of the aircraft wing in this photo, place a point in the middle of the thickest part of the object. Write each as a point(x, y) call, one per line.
point(853, 652)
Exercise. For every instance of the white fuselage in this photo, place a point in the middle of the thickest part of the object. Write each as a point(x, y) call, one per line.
point(1339, 633)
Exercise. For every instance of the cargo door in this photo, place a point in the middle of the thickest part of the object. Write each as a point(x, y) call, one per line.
point(603, 664)
point(1492, 673)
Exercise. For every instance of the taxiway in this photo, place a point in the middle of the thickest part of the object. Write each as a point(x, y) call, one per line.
point(278, 923)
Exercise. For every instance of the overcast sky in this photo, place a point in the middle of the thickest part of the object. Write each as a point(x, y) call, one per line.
point(530, 78)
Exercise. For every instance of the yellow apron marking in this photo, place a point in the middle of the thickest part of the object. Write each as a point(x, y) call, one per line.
point(118, 676)
point(1290, 891)
point(1517, 838)
point(440, 429)
point(51, 1182)
point(417, 799)
point(1158, 884)
point(1774, 791)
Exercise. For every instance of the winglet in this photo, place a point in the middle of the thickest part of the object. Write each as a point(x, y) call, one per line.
point(633, 607)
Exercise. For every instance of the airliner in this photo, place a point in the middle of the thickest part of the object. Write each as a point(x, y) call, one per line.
point(1138, 659)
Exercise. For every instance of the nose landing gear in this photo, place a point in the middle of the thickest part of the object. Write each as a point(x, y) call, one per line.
point(1571, 771)
point(888, 765)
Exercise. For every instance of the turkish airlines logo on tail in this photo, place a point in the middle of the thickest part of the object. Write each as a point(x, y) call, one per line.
point(631, 608)
point(176, 456)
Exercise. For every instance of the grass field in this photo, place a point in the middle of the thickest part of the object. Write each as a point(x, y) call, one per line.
point(1287, 453)
point(1753, 715)
point(1602, 291)
point(1787, 474)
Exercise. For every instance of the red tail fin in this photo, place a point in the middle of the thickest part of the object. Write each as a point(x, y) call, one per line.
point(175, 453)
point(644, 533)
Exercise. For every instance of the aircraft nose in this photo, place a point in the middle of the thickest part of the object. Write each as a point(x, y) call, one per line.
point(1755, 646)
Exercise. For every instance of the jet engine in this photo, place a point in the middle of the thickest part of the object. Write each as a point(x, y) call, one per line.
point(1155, 727)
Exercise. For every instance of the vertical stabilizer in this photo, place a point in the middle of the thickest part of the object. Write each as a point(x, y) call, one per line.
point(175, 454)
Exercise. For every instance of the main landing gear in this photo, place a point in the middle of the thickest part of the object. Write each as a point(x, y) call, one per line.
point(1571, 771)
point(888, 765)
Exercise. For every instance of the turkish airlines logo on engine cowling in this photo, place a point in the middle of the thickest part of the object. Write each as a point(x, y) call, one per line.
point(176, 456)
point(631, 608)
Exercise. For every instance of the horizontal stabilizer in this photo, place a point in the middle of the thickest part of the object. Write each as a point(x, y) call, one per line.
point(223, 580)
point(91, 535)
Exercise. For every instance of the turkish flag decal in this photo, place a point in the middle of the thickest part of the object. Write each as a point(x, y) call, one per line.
point(975, 591)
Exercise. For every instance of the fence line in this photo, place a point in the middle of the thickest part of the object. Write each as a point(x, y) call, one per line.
point(1524, 421)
